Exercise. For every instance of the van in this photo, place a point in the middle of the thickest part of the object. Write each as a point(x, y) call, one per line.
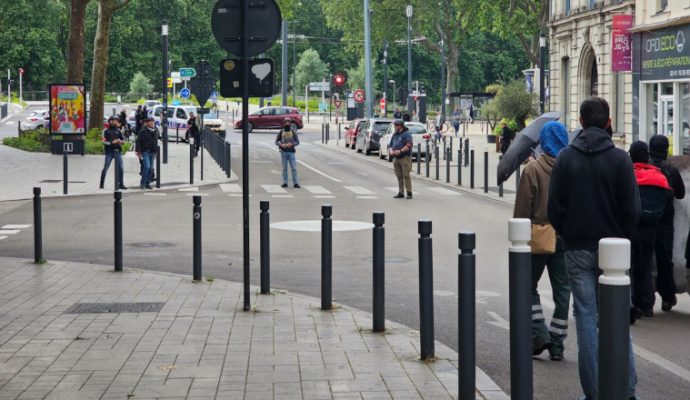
point(178, 116)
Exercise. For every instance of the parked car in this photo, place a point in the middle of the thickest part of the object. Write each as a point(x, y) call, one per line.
point(37, 119)
point(151, 104)
point(419, 136)
point(351, 132)
point(179, 115)
point(369, 136)
point(272, 118)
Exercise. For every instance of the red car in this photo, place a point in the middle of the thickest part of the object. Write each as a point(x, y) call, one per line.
point(272, 118)
point(352, 131)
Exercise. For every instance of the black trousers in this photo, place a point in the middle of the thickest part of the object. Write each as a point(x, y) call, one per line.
point(665, 284)
point(642, 247)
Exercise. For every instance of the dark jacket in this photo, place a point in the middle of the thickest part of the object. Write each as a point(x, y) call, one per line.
point(287, 137)
point(402, 141)
point(147, 140)
point(593, 193)
point(110, 134)
point(677, 185)
point(193, 128)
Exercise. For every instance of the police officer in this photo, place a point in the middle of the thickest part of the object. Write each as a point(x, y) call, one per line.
point(147, 143)
point(193, 132)
point(112, 142)
point(400, 149)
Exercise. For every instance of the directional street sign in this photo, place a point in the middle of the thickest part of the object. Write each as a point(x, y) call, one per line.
point(187, 73)
point(319, 86)
point(261, 77)
point(184, 93)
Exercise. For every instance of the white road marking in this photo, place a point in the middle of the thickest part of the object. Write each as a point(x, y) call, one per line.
point(315, 226)
point(261, 161)
point(283, 196)
point(9, 231)
point(444, 191)
point(318, 172)
point(10, 122)
point(317, 190)
point(3, 237)
point(189, 189)
point(197, 194)
point(273, 189)
point(324, 197)
point(444, 293)
point(15, 226)
point(392, 189)
point(230, 188)
point(359, 190)
point(237, 195)
point(498, 321)
point(155, 194)
point(367, 197)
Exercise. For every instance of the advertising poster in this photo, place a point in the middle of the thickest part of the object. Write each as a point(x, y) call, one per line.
point(664, 54)
point(67, 109)
point(621, 43)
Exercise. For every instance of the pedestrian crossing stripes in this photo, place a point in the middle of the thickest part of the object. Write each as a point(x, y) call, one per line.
point(9, 231)
point(273, 189)
point(359, 190)
point(12, 229)
point(317, 190)
point(230, 188)
point(3, 237)
point(444, 191)
point(189, 189)
point(16, 226)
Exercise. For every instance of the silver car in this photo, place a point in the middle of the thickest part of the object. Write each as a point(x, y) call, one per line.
point(368, 137)
point(420, 136)
point(37, 119)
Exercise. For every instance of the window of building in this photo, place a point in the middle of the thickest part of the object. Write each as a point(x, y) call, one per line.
point(652, 105)
point(592, 4)
point(567, 7)
point(662, 5)
point(685, 117)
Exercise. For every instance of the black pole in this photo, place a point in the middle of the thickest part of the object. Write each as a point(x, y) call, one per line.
point(228, 161)
point(65, 174)
point(202, 145)
point(517, 178)
point(426, 158)
point(191, 164)
point(117, 170)
point(426, 290)
point(542, 72)
point(467, 152)
point(196, 215)
point(158, 166)
point(118, 230)
point(38, 227)
point(265, 245)
point(177, 134)
point(379, 284)
point(520, 305)
point(448, 165)
point(385, 78)
point(164, 115)
point(472, 169)
point(436, 156)
point(419, 157)
point(451, 149)
point(245, 154)
point(459, 166)
point(466, 315)
point(486, 172)
point(326, 257)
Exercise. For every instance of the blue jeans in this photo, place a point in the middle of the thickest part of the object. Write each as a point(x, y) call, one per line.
point(583, 274)
point(147, 160)
point(288, 157)
point(109, 156)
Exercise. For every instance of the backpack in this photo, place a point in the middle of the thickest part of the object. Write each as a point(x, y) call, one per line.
point(653, 200)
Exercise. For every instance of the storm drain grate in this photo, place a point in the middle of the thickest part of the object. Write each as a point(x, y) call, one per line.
point(102, 308)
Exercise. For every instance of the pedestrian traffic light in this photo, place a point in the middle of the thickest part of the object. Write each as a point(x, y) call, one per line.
point(339, 79)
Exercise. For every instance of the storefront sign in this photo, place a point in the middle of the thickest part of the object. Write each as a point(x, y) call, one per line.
point(621, 43)
point(665, 54)
point(67, 109)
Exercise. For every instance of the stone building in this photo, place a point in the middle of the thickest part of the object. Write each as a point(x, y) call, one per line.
point(580, 61)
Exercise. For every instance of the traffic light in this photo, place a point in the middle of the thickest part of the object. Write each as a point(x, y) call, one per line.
point(339, 79)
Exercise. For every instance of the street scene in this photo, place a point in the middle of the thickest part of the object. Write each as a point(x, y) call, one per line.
point(376, 200)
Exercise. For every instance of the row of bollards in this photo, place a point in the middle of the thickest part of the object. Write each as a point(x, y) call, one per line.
point(219, 149)
point(326, 132)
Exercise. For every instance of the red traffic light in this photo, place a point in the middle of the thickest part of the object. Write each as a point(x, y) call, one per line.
point(339, 79)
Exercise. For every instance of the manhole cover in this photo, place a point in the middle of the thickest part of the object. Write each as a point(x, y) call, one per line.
point(148, 245)
point(101, 308)
point(390, 260)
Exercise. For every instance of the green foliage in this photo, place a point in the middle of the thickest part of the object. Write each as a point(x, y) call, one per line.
point(33, 141)
point(512, 125)
point(310, 68)
point(515, 102)
point(140, 85)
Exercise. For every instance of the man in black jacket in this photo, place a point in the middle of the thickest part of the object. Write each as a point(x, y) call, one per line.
point(665, 284)
point(593, 194)
point(147, 143)
point(112, 142)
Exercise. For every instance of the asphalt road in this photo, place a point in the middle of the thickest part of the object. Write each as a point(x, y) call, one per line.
point(158, 228)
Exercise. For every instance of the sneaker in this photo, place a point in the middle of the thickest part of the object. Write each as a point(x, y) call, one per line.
point(409, 196)
point(399, 196)
point(284, 185)
point(148, 187)
point(555, 354)
point(141, 187)
point(297, 186)
point(668, 305)
point(123, 187)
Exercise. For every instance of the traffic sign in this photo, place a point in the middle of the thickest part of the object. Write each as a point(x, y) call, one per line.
point(21, 71)
point(408, 11)
point(187, 73)
point(319, 87)
point(383, 104)
point(337, 103)
point(176, 78)
point(359, 95)
point(184, 93)
point(264, 22)
point(261, 77)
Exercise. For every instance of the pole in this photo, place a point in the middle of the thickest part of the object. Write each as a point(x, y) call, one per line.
point(426, 290)
point(284, 65)
point(426, 158)
point(196, 215)
point(520, 304)
point(201, 136)
point(443, 81)
point(419, 157)
point(614, 326)
point(448, 152)
point(410, 106)
point(472, 169)
point(21, 89)
point(117, 170)
point(379, 284)
point(467, 151)
point(65, 175)
point(191, 163)
point(245, 155)
point(466, 314)
point(38, 227)
point(294, 75)
point(385, 79)
point(264, 235)
point(486, 171)
point(158, 165)
point(542, 72)
point(436, 156)
point(118, 230)
point(367, 61)
point(460, 164)
point(228, 154)
point(326, 257)
point(164, 115)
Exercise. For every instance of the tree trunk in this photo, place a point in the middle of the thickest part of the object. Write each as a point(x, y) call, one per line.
point(75, 42)
point(101, 45)
point(452, 72)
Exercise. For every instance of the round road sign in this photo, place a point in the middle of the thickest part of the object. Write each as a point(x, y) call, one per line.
point(359, 95)
point(408, 11)
point(184, 93)
point(265, 23)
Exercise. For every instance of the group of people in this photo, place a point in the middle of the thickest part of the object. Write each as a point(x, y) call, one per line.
point(576, 194)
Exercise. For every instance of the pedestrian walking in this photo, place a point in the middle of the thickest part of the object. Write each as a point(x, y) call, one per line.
point(193, 132)
point(286, 141)
point(456, 120)
point(506, 137)
point(146, 145)
point(138, 122)
point(112, 139)
point(471, 113)
point(592, 195)
point(547, 248)
point(400, 149)
point(665, 283)
point(397, 114)
point(122, 119)
point(655, 194)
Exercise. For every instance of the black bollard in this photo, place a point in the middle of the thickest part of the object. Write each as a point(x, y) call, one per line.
point(326, 257)
point(419, 158)
point(158, 167)
point(448, 165)
point(467, 152)
point(177, 134)
point(445, 146)
point(65, 174)
point(228, 161)
point(486, 172)
point(500, 190)
point(426, 290)
point(323, 133)
point(196, 215)
point(520, 305)
point(450, 155)
point(466, 315)
point(614, 326)
point(460, 165)
point(191, 164)
point(38, 227)
point(426, 158)
point(118, 231)
point(339, 124)
point(19, 127)
point(265, 247)
point(117, 170)
point(379, 284)
point(201, 158)
point(472, 169)
point(437, 161)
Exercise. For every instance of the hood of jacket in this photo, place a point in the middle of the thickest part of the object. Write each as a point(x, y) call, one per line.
point(545, 164)
point(650, 175)
point(592, 141)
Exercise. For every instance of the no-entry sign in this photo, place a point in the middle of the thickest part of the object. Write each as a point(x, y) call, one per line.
point(359, 95)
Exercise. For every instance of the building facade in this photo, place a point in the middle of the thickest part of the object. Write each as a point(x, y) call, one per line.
point(661, 66)
point(580, 61)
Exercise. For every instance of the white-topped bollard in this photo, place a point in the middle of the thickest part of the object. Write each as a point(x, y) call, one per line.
point(520, 297)
point(614, 324)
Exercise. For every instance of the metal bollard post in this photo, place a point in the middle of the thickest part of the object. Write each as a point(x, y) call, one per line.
point(450, 155)
point(19, 127)
point(38, 227)
point(467, 152)
point(379, 284)
point(466, 314)
point(614, 326)
point(448, 165)
point(118, 231)
point(228, 161)
point(326, 257)
point(472, 169)
point(65, 174)
point(323, 133)
point(520, 304)
point(339, 127)
point(117, 171)
point(419, 156)
point(486, 172)
point(191, 164)
point(445, 147)
point(437, 160)
point(426, 158)
point(177, 134)
point(196, 215)
point(426, 290)
point(265, 247)
point(459, 166)
point(158, 167)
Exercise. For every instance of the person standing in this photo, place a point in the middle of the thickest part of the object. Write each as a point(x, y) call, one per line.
point(286, 141)
point(456, 120)
point(592, 195)
point(471, 113)
point(665, 284)
point(122, 118)
point(112, 139)
point(397, 114)
point(547, 248)
point(506, 137)
point(400, 149)
point(147, 146)
point(193, 132)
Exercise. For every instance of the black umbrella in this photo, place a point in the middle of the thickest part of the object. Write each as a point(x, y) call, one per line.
point(523, 146)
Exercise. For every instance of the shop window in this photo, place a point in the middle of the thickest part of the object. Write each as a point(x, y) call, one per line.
point(685, 117)
point(651, 107)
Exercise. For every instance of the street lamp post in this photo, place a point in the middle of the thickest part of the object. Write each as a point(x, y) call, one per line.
point(385, 79)
point(443, 83)
point(283, 66)
point(394, 94)
point(542, 72)
point(367, 61)
point(408, 13)
point(164, 115)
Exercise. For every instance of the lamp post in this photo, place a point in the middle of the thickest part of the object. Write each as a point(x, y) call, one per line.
point(408, 13)
point(385, 79)
point(164, 115)
point(443, 82)
point(283, 66)
point(367, 61)
point(542, 72)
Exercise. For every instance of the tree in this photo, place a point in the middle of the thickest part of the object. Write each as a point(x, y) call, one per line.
point(101, 46)
point(140, 85)
point(310, 68)
point(75, 42)
point(513, 101)
point(355, 76)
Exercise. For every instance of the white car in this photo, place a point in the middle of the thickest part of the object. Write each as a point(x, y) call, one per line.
point(420, 136)
point(179, 115)
point(37, 119)
point(151, 104)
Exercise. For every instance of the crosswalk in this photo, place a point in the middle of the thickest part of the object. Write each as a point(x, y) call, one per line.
point(11, 230)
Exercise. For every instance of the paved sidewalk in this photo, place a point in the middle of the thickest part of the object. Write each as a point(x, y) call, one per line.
point(196, 342)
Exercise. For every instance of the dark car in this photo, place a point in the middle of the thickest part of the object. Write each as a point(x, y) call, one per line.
point(369, 136)
point(272, 118)
point(351, 132)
